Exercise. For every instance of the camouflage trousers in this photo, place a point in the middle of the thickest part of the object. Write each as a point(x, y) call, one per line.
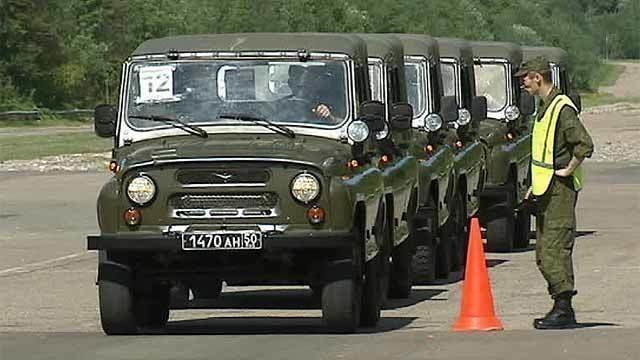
point(555, 234)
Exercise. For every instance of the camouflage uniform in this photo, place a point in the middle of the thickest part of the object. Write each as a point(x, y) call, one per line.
point(556, 219)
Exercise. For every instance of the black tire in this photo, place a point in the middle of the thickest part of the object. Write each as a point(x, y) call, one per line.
point(385, 258)
point(341, 305)
point(444, 255)
point(501, 230)
point(401, 274)
point(522, 229)
point(371, 297)
point(459, 232)
point(152, 310)
point(342, 299)
point(117, 308)
point(423, 264)
point(207, 289)
point(179, 296)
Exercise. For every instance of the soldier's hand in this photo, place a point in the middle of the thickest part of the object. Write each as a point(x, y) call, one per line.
point(529, 193)
point(563, 172)
point(322, 111)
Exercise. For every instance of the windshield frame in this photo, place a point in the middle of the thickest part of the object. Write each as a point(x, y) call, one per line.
point(509, 83)
point(127, 132)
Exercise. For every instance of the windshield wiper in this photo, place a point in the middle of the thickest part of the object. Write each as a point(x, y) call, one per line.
point(191, 129)
point(280, 129)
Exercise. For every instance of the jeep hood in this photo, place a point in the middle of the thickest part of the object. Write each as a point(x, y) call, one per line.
point(309, 149)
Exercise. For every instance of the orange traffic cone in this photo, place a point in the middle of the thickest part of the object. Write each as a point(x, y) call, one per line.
point(476, 311)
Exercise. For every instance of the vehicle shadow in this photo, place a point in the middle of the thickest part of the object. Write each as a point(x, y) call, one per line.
point(269, 299)
point(417, 296)
point(269, 325)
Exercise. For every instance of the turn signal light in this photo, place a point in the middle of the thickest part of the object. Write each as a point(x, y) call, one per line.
point(132, 216)
point(316, 215)
point(113, 166)
point(384, 160)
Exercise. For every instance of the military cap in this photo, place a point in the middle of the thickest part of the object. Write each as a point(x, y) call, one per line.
point(538, 64)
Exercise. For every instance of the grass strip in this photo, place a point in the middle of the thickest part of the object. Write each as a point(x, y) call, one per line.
point(37, 146)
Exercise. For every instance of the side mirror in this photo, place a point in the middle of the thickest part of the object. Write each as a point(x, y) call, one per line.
point(449, 108)
point(104, 117)
point(527, 104)
point(401, 116)
point(577, 100)
point(372, 113)
point(479, 108)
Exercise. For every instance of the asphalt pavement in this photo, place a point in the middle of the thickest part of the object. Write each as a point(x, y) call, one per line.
point(48, 300)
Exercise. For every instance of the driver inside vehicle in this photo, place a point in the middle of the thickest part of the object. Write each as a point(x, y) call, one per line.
point(311, 86)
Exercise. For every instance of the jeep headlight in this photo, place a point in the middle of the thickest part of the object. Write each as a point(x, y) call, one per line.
point(512, 113)
point(433, 122)
point(141, 189)
point(358, 131)
point(464, 117)
point(305, 187)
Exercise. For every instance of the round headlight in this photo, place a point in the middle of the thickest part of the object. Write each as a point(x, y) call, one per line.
point(383, 133)
point(433, 122)
point(141, 190)
point(512, 113)
point(305, 187)
point(464, 117)
point(358, 131)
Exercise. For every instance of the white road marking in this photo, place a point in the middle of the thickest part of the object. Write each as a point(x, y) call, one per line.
point(41, 265)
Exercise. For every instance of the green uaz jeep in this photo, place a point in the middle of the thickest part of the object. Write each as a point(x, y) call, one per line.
point(507, 135)
point(244, 158)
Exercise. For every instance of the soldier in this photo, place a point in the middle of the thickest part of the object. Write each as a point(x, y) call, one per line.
point(559, 144)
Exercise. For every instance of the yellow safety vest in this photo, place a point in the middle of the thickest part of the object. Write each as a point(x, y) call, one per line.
point(542, 144)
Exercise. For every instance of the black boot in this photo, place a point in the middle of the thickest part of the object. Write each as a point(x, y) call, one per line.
point(561, 316)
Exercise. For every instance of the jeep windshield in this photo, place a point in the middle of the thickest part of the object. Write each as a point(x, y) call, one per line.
point(491, 82)
point(417, 90)
point(206, 92)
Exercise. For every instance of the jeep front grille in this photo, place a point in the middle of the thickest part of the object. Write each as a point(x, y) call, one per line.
point(224, 205)
point(223, 177)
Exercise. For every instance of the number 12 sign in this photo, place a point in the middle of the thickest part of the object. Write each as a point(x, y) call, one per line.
point(156, 83)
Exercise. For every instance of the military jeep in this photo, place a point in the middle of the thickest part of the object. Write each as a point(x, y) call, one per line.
point(433, 145)
point(458, 81)
point(244, 158)
point(395, 159)
point(507, 135)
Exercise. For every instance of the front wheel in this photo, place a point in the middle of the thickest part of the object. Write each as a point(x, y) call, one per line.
point(501, 230)
point(401, 275)
point(522, 229)
point(341, 305)
point(117, 308)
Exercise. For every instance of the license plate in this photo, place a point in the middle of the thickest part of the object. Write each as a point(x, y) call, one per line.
point(222, 240)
